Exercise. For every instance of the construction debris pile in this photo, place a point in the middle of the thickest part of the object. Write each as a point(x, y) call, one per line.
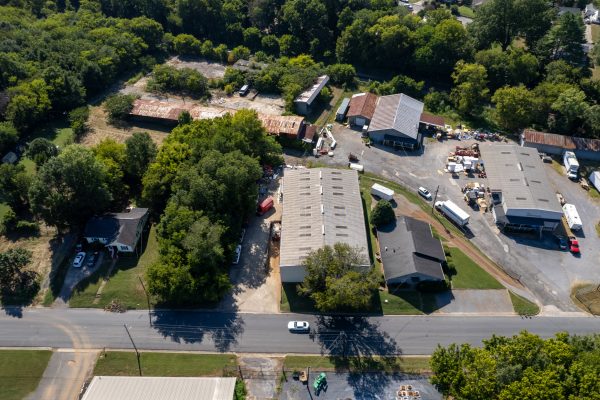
point(466, 159)
point(475, 194)
point(326, 143)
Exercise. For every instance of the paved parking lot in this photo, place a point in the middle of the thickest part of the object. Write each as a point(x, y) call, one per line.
point(359, 386)
point(546, 271)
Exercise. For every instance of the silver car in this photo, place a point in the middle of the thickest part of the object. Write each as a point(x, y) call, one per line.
point(78, 261)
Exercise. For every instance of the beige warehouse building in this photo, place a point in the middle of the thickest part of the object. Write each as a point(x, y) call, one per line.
point(321, 206)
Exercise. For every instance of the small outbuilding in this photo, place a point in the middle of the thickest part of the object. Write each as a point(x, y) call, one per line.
point(340, 115)
point(409, 252)
point(304, 102)
point(119, 232)
point(551, 143)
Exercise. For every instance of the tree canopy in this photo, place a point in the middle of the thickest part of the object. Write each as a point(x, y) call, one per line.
point(523, 366)
point(337, 279)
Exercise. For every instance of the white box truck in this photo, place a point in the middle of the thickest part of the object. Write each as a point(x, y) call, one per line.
point(382, 192)
point(571, 164)
point(594, 178)
point(572, 217)
point(453, 212)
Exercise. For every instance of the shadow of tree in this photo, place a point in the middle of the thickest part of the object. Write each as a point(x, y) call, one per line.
point(20, 293)
point(223, 329)
point(354, 344)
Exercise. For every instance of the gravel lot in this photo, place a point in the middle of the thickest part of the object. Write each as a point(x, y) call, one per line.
point(548, 272)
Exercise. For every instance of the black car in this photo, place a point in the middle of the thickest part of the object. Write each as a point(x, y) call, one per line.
point(92, 259)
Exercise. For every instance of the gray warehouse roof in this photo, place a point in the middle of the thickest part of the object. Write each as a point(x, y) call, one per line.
point(407, 246)
point(399, 112)
point(518, 172)
point(321, 206)
point(159, 388)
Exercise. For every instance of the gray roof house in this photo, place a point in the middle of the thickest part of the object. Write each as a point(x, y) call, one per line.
point(305, 100)
point(321, 206)
point(396, 122)
point(523, 199)
point(409, 252)
point(121, 231)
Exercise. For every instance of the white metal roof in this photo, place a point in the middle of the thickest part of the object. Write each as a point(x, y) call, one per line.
point(159, 388)
point(518, 172)
point(309, 95)
point(321, 206)
point(398, 112)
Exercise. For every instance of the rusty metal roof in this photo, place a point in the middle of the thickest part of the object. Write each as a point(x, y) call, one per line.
point(565, 142)
point(277, 124)
point(434, 120)
point(362, 105)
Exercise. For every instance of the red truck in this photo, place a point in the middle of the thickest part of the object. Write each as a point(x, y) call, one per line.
point(265, 206)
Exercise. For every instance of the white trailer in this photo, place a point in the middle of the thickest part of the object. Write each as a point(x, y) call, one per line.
point(594, 178)
point(572, 217)
point(356, 167)
point(453, 212)
point(382, 192)
point(571, 164)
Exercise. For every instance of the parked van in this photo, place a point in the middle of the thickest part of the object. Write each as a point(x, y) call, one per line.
point(244, 90)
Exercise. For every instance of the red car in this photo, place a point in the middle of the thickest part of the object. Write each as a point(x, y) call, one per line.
point(574, 245)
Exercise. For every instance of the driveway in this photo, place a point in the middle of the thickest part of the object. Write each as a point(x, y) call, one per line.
point(545, 271)
point(471, 301)
point(74, 276)
point(358, 386)
point(65, 375)
point(256, 286)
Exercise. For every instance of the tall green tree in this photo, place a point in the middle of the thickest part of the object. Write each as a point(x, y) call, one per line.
point(382, 214)
point(8, 136)
point(140, 151)
point(335, 279)
point(470, 88)
point(70, 188)
point(29, 104)
point(14, 186)
point(41, 150)
point(566, 39)
point(516, 107)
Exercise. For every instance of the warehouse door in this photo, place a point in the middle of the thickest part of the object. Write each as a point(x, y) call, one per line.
point(360, 121)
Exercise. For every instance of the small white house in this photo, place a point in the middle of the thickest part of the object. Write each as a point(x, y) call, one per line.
point(591, 14)
point(117, 231)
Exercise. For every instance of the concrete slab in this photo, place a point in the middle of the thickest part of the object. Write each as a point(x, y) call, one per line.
point(359, 386)
point(74, 276)
point(261, 376)
point(65, 375)
point(468, 301)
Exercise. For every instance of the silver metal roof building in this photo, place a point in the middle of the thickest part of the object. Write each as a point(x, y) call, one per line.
point(321, 206)
point(396, 120)
point(159, 388)
point(304, 101)
point(520, 188)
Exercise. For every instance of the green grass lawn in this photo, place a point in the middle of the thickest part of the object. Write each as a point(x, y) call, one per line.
point(523, 306)
point(407, 302)
point(466, 12)
point(387, 364)
point(163, 364)
point(21, 371)
point(469, 275)
point(595, 33)
point(124, 283)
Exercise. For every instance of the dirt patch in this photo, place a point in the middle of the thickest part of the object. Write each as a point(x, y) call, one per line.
point(100, 129)
point(412, 210)
point(211, 70)
point(262, 103)
point(588, 297)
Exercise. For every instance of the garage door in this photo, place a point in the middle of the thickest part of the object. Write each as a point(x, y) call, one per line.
point(360, 121)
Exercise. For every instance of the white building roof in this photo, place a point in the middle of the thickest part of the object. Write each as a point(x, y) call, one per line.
point(159, 388)
point(518, 172)
point(309, 95)
point(321, 206)
point(398, 112)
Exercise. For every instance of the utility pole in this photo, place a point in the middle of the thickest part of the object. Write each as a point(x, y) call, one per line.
point(434, 198)
point(147, 299)
point(137, 353)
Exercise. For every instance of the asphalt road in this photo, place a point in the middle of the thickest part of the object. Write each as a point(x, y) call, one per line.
point(265, 333)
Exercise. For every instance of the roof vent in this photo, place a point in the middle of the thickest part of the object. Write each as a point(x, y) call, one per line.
point(323, 229)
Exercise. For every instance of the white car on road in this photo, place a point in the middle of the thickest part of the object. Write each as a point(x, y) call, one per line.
point(79, 258)
point(237, 254)
point(298, 326)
